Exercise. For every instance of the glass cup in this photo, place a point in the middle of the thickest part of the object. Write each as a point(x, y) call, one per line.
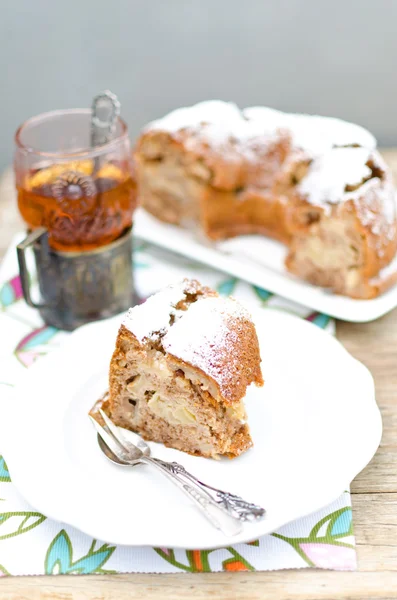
point(83, 196)
point(77, 202)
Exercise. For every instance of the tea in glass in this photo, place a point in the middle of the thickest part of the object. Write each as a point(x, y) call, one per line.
point(83, 196)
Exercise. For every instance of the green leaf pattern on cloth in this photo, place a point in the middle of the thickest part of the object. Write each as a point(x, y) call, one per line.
point(32, 544)
point(59, 557)
point(17, 523)
point(4, 474)
point(327, 546)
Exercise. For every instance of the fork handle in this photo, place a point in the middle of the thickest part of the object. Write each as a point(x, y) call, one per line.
point(227, 523)
point(230, 503)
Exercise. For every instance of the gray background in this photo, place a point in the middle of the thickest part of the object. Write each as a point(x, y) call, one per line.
point(329, 57)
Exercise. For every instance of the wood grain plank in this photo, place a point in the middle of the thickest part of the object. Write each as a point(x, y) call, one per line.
point(288, 585)
point(372, 509)
point(375, 528)
point(376, 558)
point(375, 525)
point(379, 475)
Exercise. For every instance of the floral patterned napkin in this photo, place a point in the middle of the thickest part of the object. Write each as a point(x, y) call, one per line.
point(30, 544)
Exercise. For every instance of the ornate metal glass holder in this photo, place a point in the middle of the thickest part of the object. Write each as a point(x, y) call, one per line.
point(78, 287)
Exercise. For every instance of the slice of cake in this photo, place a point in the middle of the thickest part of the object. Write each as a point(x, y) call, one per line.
point(180, 370)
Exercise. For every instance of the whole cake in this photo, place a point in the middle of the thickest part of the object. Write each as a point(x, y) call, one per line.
point(180, 370)
point(316, 184)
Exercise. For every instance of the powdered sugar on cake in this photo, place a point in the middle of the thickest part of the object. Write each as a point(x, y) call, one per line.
point(234, 172)
point(153, 316)
point(338, 150)
point(205, 334)
point(216, 122)
point(330, 174)
point(312, 133)
point(216, 125)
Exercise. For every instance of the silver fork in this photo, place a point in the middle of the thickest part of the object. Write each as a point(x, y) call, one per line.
point(225, 511)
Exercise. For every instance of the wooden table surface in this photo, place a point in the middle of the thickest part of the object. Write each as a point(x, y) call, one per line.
point(374, 494)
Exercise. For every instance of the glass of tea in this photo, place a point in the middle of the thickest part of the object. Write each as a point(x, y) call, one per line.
point(83, 196)
point(77, 201)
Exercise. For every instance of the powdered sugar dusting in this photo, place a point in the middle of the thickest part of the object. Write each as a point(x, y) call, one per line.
point(312, 133)
point(389, 204)
point(223, 117)
point(153, 315)
point(215, 122)
point(338, 152)
point(218, 125)
point(204, 335)
point(329, 175)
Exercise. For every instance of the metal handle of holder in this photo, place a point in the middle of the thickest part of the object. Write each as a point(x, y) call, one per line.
point(35, 236)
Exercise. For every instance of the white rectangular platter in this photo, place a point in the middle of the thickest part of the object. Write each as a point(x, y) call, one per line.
point(260, 261)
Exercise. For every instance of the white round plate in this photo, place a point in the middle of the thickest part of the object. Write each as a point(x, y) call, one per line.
point(315, 425)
